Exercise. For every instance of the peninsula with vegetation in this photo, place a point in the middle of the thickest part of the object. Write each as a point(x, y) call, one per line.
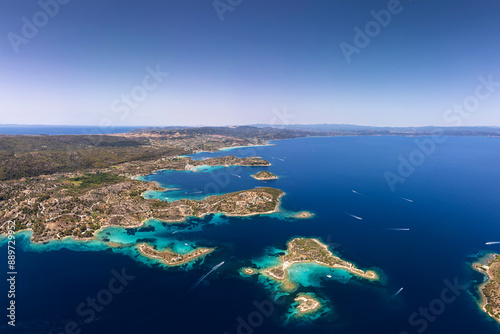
point(264, 176)
point(303, 251)
point(307, 250)
point(171, 258)
point(59, 186)
point(79, 203)
point(490, 290)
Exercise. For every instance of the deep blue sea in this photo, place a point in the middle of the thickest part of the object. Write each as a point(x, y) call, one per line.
point(425, 232)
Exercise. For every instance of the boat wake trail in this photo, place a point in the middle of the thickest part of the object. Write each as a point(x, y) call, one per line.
point(206, 275)
point(406, 199)
point(236, 175)
point(360, 194)
point(398, 229)
point(397, 293)
point(493, 242)
point(183, 231)
point(353, 216)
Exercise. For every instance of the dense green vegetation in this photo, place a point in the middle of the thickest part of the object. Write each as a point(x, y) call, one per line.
point(272, 191)
point(247, 132)
point(264, 175)
point(94, 180)
point(18, 144)
point(27, 156)
point(136, 193)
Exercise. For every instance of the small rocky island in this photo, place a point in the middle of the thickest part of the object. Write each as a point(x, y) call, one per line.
point(490, 290)
point(226, 161)
point(264, 176)
point(171, 258)
point(307, 303)
point(303, 215)
point(304, 250)
point(248, 271)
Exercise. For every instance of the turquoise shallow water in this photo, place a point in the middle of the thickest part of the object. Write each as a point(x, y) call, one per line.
point(455, 211)
point(192, 184)
point(127, 245)
point(313, 275)
point(303, 276)
point(54, 245)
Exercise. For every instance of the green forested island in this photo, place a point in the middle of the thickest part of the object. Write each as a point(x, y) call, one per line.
point(264, 175)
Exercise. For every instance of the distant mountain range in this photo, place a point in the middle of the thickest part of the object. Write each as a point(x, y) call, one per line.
point(340, 129)
point(263, 131)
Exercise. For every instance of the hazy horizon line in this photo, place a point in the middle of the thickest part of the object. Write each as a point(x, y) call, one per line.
point(254, 125)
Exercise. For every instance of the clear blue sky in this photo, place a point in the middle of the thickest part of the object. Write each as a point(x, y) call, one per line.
point(264, 55)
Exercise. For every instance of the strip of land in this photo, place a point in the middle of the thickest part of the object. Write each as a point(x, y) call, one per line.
point(30, 156)
point(305, 250)
point(264, 176)
point(490, 290)
point(171, 258)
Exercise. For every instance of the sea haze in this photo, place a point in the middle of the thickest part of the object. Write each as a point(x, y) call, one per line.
point(63, 129)
point(425, 232)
